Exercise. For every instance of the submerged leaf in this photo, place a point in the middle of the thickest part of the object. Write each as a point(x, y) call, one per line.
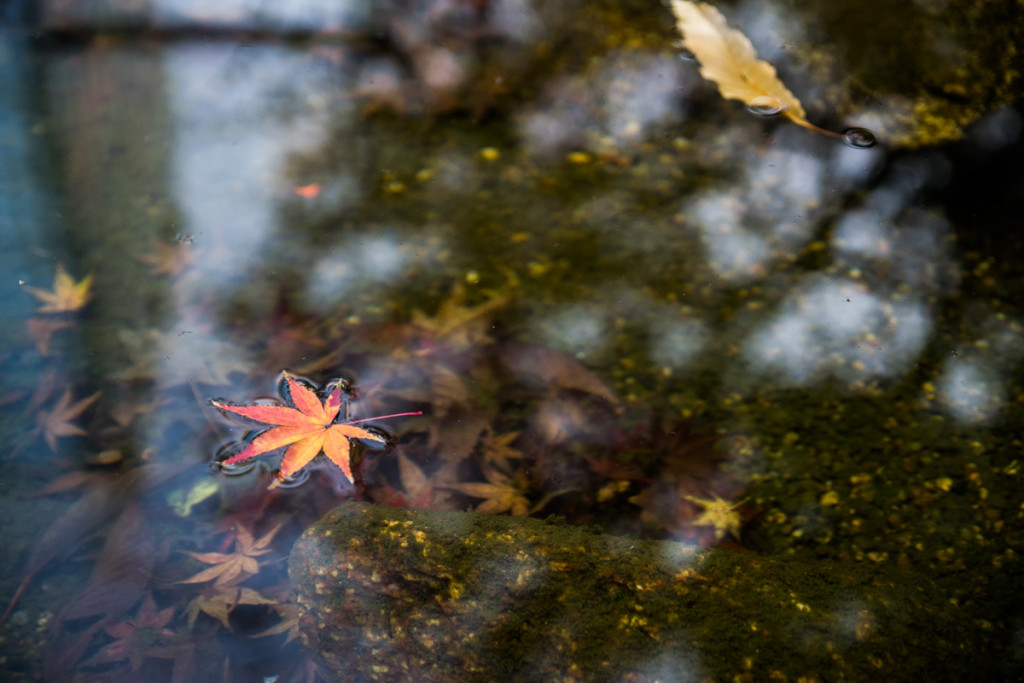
point(459, 325)
point(229, 569)
point(720, 514)
point(541, 366)
point(169, 259)
point(140, 638)
point(122, 571)
point(501, 493)
point(78, 522)
point(57, 422)
point(67, 295)
point(42, 329)
point(218, 601)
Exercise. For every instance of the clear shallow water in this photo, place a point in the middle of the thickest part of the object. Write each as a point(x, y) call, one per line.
point(606, 288)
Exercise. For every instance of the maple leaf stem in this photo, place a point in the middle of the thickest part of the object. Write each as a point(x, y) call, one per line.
point(381, 417)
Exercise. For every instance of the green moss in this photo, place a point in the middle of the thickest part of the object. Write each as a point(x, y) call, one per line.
point(459, 596)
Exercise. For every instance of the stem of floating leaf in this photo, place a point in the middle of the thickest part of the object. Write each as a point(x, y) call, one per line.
point(810, 126)
point(382, 417)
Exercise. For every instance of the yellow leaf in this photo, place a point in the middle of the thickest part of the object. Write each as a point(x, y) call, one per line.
point(721, 514)
point(67, 295)
point(501, 493)
point(729, 60)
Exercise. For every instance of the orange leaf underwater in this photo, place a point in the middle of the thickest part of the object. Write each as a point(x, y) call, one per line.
point(307, 427)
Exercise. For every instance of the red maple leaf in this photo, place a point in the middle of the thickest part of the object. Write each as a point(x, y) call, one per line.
point(307, 427)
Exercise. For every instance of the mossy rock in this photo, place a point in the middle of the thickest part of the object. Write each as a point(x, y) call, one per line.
point(927, 70)
point(392, 594)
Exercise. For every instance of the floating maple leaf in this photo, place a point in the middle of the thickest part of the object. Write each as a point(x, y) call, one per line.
point(67, 295)
point(307, 427)
point(729, 60)
point(57, 422)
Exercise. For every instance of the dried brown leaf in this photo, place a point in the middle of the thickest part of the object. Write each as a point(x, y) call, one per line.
point(232, 568)
point(289, 613)
point(122, 570)
point(218, 601)
point(67, 482)
point(41, 329)
point(85, 515)
point(544, 367)
point(501, 493)
point(729, 60)
point(56, 423)
point(459, 325)
point(455, 437)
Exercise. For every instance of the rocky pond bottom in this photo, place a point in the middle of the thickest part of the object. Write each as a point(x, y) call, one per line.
point(395, 594)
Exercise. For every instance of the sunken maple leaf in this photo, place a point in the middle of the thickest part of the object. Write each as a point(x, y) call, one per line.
point(460, 325)
point(289, 613)
point(219, 601)
point(504, 492)
point(57, 422)
point(41, 329)
point(237, 566)
point(728, 58)
point(501, 492)
point(137, 639)
point(720, 514)
point(67, 295)
point(308, 427)
point(169, 259)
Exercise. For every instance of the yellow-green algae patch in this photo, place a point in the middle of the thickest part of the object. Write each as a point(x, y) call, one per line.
point(393, 594)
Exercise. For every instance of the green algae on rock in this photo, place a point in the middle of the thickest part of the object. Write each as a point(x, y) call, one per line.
point(394, 594)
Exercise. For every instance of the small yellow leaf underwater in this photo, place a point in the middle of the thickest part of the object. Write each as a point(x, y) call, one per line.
point(729, 60)
point(67, 295)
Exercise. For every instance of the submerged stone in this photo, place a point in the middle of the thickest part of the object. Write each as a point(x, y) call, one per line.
point(393, 594)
